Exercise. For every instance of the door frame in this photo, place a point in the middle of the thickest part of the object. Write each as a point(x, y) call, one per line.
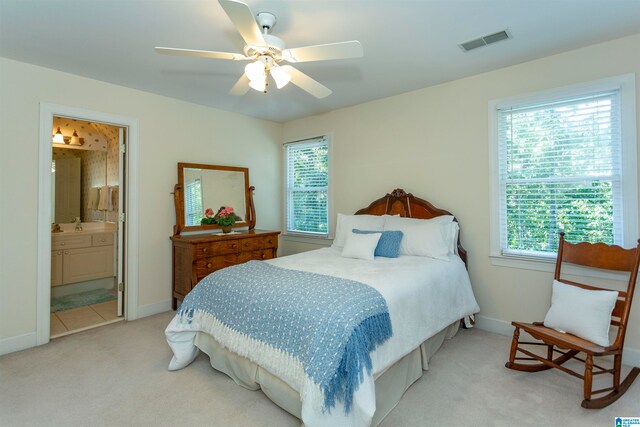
point(43, 289)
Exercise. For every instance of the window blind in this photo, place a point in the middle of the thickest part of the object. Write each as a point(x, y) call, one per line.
point(560, 170)
point(307, 164)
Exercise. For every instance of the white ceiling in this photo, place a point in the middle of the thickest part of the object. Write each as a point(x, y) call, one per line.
point(407, 44)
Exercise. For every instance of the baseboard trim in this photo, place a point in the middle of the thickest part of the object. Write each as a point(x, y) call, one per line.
point(155, 308)
point(630, 357)
point(20, 342)
point(497, 326)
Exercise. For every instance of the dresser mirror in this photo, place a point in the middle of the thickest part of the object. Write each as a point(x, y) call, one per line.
point(202, 186)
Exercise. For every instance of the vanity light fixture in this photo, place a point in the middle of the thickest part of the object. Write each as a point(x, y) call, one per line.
point(58, 138)
point(75, 139)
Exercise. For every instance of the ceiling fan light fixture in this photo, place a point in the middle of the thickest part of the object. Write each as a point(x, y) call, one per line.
point(260, 85)
point(255, 71)
point(281, 76)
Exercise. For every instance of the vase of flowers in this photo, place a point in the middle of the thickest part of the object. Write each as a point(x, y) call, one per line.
point(225, 218)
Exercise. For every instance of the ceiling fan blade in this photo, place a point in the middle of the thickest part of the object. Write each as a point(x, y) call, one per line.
point(245, 22)
point(241, 87)
point(200, 53)
point(306, 83)
point(323, 52)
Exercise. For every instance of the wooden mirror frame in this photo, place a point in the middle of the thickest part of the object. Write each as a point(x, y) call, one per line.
point(178, 199)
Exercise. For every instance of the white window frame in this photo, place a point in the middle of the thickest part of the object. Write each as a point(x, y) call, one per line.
point(301, 236)
point(626, 85)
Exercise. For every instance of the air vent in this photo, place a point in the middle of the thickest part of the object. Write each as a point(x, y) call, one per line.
point(485, 40)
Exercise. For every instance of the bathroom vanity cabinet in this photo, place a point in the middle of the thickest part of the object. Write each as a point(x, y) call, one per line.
point(81, 256)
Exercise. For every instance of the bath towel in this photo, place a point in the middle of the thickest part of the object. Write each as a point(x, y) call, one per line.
point(114, 198)
point(105, 199)
point(94, 197)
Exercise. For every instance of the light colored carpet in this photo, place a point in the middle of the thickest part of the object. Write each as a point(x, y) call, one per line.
point(117, 375)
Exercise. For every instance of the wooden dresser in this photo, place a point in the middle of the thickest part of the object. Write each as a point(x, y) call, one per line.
point(195, 256)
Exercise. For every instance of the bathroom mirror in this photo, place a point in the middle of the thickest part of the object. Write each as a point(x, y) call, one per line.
point(202, 186)
point(76, 176)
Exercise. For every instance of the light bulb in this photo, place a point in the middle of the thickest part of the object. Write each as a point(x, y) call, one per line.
point(281, 75)
point(255, 71)
point(259, 85)
point(58, 138)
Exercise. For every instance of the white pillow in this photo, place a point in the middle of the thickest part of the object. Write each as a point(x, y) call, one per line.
point(450, 230)
point(581, 312)
point(346, 223)
point(361, 246)
point(422, 237)
point(454, 229)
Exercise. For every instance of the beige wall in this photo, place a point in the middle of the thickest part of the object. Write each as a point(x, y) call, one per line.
point(170, 131)
point(431, 142)
point(434, 143)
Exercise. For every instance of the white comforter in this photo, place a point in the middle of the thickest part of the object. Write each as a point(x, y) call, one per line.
point(424, 296)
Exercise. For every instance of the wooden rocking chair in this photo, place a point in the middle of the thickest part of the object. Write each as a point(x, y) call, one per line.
point(602, 256)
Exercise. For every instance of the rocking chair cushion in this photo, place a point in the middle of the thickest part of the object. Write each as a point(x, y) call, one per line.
point(584, 313)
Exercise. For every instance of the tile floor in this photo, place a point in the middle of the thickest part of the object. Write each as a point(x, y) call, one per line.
point(83, 317)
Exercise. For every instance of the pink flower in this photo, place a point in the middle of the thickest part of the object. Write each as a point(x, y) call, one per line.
point(208, 213)
point(225, 211)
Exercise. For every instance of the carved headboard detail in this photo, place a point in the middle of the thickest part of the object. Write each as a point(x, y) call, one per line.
point(399, 202)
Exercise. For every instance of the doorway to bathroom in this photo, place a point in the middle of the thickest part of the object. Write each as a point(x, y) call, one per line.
point(87, 251)
point(87, 196)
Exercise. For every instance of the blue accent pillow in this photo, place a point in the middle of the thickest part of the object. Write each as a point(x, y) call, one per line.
point(389, 243)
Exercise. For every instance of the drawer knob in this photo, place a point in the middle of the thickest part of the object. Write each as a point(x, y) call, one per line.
point(270, 241)
point(246, 244)
point(205, 249)
point(102, 240)
point(59, 252)
point(66, 252)
point(264, 256)
point(234, 246)
point(62, 244)
point(209, 265)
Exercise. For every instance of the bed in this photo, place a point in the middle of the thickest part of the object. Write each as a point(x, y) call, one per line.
point(427, 299)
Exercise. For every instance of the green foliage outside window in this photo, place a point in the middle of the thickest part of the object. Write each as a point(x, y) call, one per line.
point(308, 189)
point(558, 175)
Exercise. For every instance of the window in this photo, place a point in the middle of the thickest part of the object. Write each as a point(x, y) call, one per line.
point(193, 202)
point(307, 181)
point(565, 161)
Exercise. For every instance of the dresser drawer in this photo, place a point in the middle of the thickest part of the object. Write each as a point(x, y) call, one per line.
point(259, 243)
point(205, 250)
point(102, 239)
point(262, 254)
point(71, 242)
point(208, 265)
point(209, 249)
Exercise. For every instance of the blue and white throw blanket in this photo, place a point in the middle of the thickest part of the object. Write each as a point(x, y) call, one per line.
point(293, 323)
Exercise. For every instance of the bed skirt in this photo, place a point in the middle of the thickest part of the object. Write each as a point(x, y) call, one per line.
point(390, 384)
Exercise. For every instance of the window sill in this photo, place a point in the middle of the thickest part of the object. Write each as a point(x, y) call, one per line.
point(549, 265)
point(312, 240)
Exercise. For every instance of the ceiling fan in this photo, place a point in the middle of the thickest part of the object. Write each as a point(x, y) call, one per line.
point(266, 52)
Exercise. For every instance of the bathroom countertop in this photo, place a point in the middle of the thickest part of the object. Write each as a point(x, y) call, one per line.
point(87, 228)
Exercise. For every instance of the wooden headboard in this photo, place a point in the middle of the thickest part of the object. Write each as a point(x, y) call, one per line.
point(398, 202)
